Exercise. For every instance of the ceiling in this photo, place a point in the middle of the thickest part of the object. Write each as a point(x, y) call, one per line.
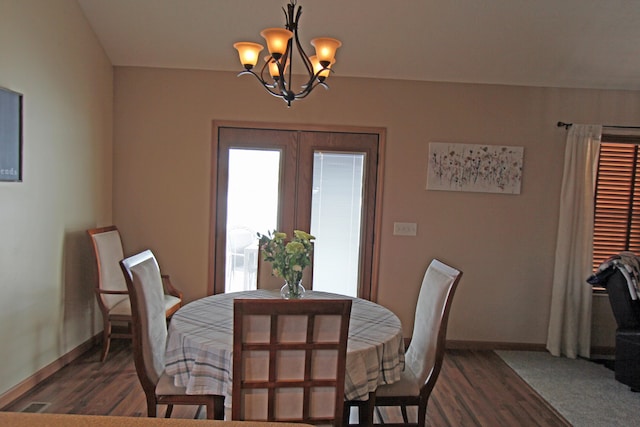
point(551, 43)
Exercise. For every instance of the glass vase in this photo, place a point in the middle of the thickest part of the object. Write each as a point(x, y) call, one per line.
point(292, 290)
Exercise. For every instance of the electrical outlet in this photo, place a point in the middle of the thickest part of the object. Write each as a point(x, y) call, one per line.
point(405, 229)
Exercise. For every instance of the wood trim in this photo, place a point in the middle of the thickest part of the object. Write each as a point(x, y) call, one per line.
point(513, 346)
point(377, 224)
point(297, 127)
point(603, 350)
point(30, 382)
point(489, 345)
point(494, 345)
point(213, 202)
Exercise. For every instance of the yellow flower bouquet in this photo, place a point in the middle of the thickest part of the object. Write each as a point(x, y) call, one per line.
point(288, 258)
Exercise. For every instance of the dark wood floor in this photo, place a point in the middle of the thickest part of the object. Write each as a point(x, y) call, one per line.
point(475, 388)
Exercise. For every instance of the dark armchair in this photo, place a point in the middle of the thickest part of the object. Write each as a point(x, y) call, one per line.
point(627, 314)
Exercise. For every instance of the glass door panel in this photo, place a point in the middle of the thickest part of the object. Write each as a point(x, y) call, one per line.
point(252, 207)
point(317, 181)
point(336, 220)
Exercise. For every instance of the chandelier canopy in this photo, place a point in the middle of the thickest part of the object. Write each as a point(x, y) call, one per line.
point(280, 43)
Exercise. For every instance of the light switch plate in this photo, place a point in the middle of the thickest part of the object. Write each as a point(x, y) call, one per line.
point(405, 229)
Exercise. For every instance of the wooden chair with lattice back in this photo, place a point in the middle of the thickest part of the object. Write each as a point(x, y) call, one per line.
point(289, 360)
point(111, 289)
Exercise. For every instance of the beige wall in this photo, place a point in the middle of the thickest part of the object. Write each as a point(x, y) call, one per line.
point(504, 243)
point(50, 55)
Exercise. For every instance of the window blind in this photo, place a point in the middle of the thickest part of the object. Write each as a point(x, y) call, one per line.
point(617, 202)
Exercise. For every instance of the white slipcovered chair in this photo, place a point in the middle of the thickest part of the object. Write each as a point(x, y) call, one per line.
point(144, 284)
point(423, 359)
point(111, 289)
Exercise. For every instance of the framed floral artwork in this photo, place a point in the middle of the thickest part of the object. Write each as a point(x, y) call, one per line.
point(474, 167)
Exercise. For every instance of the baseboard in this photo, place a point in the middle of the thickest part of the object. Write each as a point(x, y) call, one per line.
point(487, 345)
point(490, 345)
point(603, 351)
point(23, 387)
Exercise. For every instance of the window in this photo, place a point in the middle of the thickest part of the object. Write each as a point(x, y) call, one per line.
point(617, 199)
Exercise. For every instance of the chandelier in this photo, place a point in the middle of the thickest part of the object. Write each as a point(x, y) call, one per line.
point(280, 43)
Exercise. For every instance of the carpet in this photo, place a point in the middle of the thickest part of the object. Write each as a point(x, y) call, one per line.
point(585, 393)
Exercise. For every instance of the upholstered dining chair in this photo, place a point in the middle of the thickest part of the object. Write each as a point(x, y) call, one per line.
point(423, 359)
point(149, 327)
point(111, 289)
point(289, 360)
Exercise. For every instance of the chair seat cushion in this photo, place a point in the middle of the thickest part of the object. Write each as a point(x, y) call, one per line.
point(407, 386)
point(165, 386)
point(170, 302)
point(122, 308)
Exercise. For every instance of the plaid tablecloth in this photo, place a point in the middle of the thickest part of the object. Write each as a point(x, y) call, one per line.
point(200, 345)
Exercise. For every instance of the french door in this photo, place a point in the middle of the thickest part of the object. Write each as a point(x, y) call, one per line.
point(321, 181)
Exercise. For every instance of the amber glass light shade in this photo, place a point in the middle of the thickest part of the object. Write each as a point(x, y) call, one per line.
point(326, 49)
point(318, 67)
point(273, 66)
point(277, 40)
point(248, 53)
point(274, 71)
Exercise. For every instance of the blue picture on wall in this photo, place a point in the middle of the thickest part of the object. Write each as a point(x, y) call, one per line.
point(10, 135)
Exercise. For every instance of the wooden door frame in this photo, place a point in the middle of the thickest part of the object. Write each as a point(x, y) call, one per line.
point(372, 292)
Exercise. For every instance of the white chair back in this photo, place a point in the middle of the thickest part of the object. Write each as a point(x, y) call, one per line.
point(429, 328)
point(148, 311)
point(108, 248)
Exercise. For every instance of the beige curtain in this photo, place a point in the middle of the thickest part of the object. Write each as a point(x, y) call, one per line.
point(569, 331)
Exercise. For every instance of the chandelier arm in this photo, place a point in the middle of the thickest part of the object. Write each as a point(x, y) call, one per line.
point(266, 85)
point(315, 80)
point(262, 79)
point(303, 94)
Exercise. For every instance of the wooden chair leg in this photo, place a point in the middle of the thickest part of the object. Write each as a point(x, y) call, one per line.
point(169, 411)
point(422, 414)
point(365, 411)
point(218, 408)
point(405, 417)
point(106, 339)
point(199, 410)
point(346, 414)
point(151, 407)
point(214, 408)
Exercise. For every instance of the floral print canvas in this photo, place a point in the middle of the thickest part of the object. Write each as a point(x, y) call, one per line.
point(474, 167)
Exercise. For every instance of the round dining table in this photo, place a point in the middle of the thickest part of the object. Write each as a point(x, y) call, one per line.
point(199, 352)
